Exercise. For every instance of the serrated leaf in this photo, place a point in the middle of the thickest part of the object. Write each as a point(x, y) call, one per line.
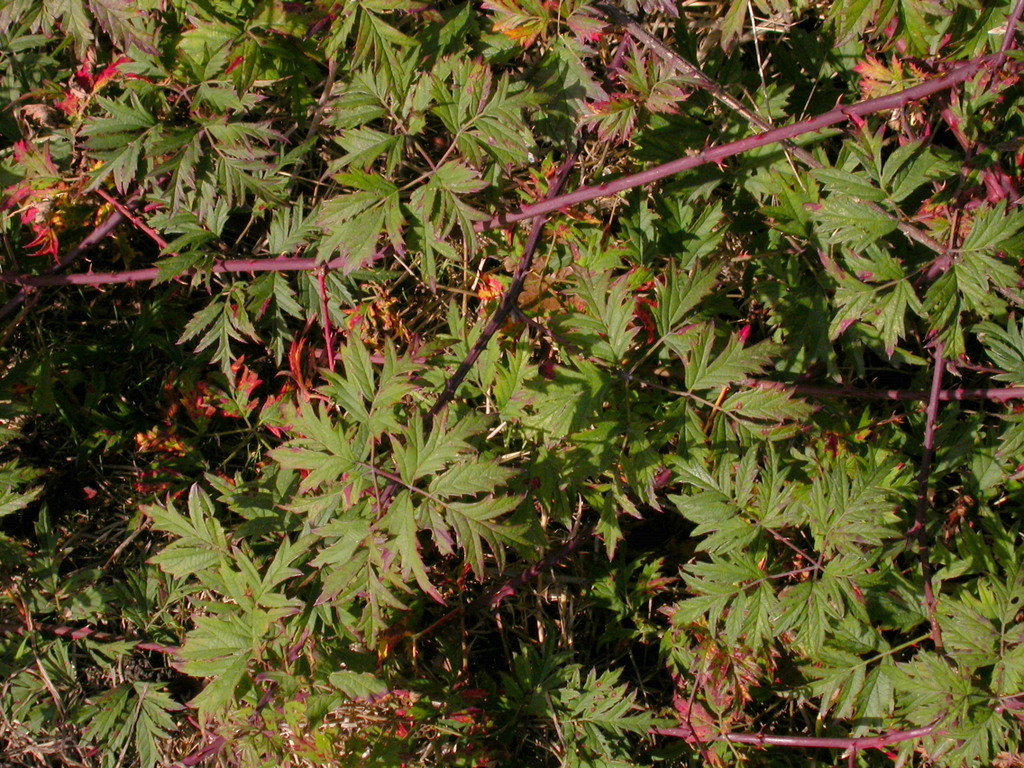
point(993, 228)
point(611, 305)
point(614, 119)
point(707, 369)
point(851, 510)
point(843, 220)
point(523, 21)
point(124, 23)
point(851, 18)
point(154, 723)
point(201, 541)
point(840, 182)
point(353, 221)
point(679, 295)
point(767, 409)
point(401, 523)
point(908, 167)
point(473, 476)
point(321, 448)
point(364, 145)
point(564, 404)
point(357, 685)
point(976, 274)
point(476, 524)
point(1005, 348)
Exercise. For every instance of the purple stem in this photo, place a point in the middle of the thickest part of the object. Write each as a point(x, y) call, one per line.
point(138, 223)
point(927, 454)
point(280, 264)
point(812, 742)
point(508, 301)
point(774, 136)
point(321, 281)
point(211, 749)
point(944, 395)
point(83, 633)
point(109, 225)
point(582, 195)
point(1011, 25)
point(697, 77)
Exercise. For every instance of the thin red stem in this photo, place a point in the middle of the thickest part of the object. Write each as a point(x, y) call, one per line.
point(86, 633)
point(97, 235)
point(998, 394)
point(585, 194)
point(321, 280)
point(135, 220)
point(279, 264)
point(1011, 25)
point(918, 529)
point(717, 154)
point(809, 742)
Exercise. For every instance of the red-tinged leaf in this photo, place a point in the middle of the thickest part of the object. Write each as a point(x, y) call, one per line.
point(83, 75)
point(694, 719)
point(524, 21)
point(877, 79)
point(124, 22)
point(108, 73)
point(614, 119)
point(587, 28)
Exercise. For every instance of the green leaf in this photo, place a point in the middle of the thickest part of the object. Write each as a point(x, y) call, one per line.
point(851, 510)
point(521, 20)
point(679, 295)
point(440, 202)
point(155, 722)
point(400, 522)
point(846, 221)
point(708, 369)
point(842, 182)
point(11, 498)
point(851, 18)
point(225, 319)
point(909, 166)
point(353, 222)
point(993, 228)
point(977, 274)
point(364, 145)
point(733, 23)
point(374, 400)
point(1005, 348)
point(125, 24)
point(610, 308)
point(200, 541)
point(566, 403)
point(357, 685)
point(320, 449)
point(484, 113)
point(770, 413)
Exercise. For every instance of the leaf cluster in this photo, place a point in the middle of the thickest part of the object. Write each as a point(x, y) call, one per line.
point(743, 460)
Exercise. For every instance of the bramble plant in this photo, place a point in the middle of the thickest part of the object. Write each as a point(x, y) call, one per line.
point(511, 383)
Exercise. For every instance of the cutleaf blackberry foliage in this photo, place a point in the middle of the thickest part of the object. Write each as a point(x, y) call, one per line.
point(371, 395)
